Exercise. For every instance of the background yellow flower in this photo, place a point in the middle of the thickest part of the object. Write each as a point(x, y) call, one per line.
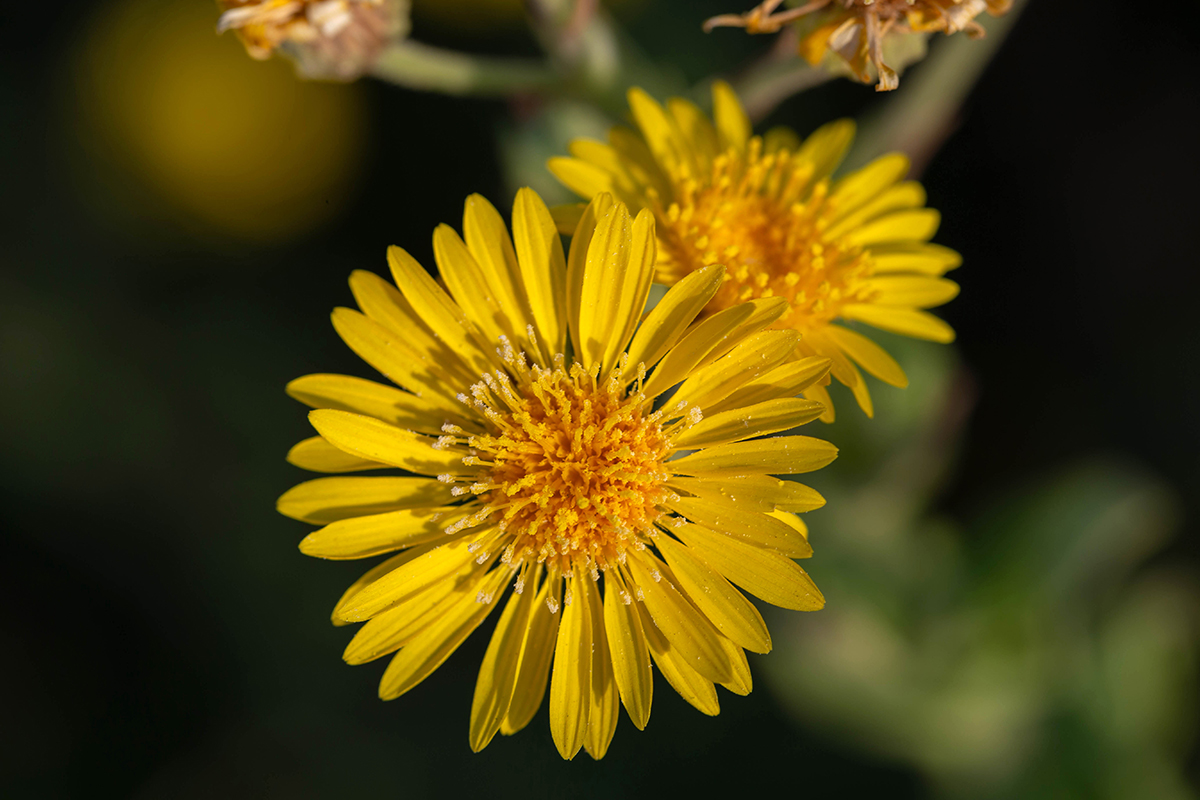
point(226, 147)
point(846, 250)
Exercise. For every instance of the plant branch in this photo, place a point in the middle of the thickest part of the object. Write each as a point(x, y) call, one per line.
point(919, 117)
point(420, 66)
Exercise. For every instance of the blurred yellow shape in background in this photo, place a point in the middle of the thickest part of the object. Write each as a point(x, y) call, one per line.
point(234, 147)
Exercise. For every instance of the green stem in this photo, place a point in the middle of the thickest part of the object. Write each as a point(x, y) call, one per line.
point(419, 66)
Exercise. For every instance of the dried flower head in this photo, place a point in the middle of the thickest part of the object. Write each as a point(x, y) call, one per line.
point(333, 39)
point(855, 30)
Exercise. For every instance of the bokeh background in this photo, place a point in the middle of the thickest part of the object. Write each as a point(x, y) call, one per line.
point(1010, 553)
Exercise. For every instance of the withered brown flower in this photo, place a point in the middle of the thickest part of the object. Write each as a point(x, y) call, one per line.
point(855, 29)
point(332, 39)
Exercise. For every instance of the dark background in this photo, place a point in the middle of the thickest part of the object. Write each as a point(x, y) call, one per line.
point(163, 637)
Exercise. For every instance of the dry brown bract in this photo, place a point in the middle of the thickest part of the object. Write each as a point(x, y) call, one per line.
point(335, 39)
point(855, 29)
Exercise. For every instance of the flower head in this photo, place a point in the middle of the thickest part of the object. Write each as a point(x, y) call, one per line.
point(856, 29)
point(337, 39)
point(851, 250)
point(545, 451)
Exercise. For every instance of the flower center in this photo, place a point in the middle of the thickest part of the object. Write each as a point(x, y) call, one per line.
point(760, 216)
point(572, 467)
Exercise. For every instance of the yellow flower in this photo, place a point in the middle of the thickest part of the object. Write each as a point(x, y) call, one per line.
point(337, 39)
point(855, 249)
point(535, 404)
point(856, 29)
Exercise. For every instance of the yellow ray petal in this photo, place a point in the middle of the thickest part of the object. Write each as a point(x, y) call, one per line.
point(873, 358)
point(697, 132)
point(616, 282)
point(657, 130)
point(408, 579)
point(780, 138)
point(603, 707)
point(725, 606)
point(733, 126)
point(387, 351)
point(367, 437)
point(443, 316)
point(326, 500)
point(537, 651)
point(905, 321)
point(581, 177)
point(918, 291)
point(911, 225)
point(763, 573)
point(468, 285)
point(577, 258)
point(360, 396)
point(908, 194)
point(918, 257)
point(389, 631)
point(794, 521)
point(432, 646)
point(779, 455)
point(372, 575)
point(383, 303)
point(318, 455)
point(664, 325)
point(498, 672)
point(570, 683)
point(740, 682)
point(691, 685)
point(864, 185)
point(687, 630)
point(597, 154)
point(817, 393)
point(635, 289)
point(842, 368)
point(491, 246)
point(711, 339)
point(543, 269)
point(567, 216)
point(765, 312)
point(826, 147)
point(754, 492)
point(639, 163)
point(630, 654)
point(786, 380)
point(361, 537)
point(770, 416)
point(752, 527)
point(754, 357)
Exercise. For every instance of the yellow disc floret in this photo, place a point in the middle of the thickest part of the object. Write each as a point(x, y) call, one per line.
point(754, 216)
point(572, 467)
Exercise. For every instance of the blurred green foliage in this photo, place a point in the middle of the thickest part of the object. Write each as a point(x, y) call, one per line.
point(1029, 652)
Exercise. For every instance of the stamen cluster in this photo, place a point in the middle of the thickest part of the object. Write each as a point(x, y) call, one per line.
point(571, 466)
point(753, 216)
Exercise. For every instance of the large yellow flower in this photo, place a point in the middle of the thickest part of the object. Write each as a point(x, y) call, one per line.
point(546, 453)
point(851, 250)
